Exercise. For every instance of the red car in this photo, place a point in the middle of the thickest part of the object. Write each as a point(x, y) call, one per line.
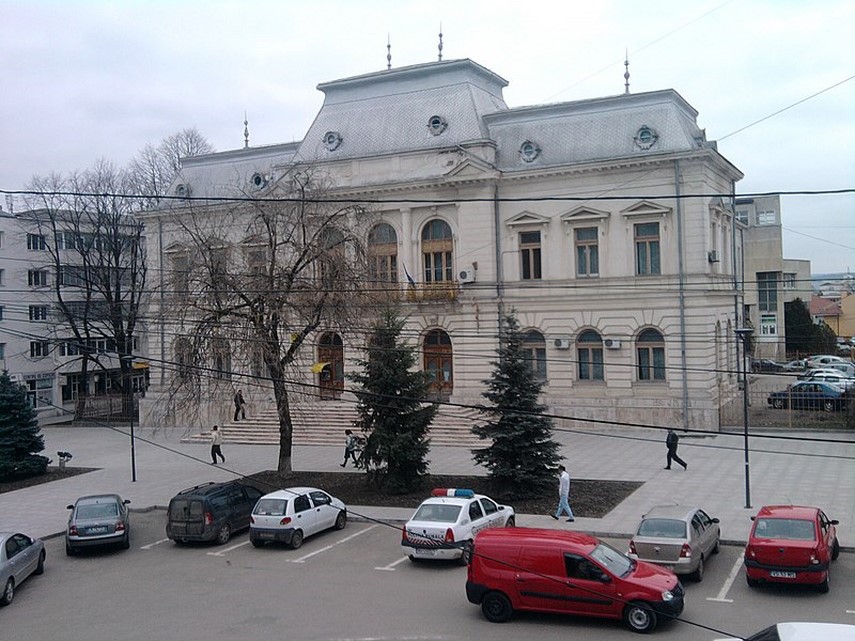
point(791, 544)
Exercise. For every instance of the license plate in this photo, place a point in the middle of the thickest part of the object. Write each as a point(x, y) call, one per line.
point(98, 530)
point(265, 535)
point(420, 552)
point(782, 575)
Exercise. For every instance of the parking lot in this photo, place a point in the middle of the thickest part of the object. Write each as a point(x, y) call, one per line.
point(350, 584)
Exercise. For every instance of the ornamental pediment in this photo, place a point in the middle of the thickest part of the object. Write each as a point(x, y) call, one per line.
point(527, 218)
point(646, 208)
point(470, 168)
point(584, 214)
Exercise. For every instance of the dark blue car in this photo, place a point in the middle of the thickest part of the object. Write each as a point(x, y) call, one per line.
point(809, 395)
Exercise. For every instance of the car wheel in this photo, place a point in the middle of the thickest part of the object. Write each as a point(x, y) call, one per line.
point(8, 592)
point(40, 568)
point(828, 406)
point(297, 539)
point(69, 551)
point(639, 617)
point(512, 522)
point(224, 534)
point(778, 403)
point(496, 607)
point(466, 557)
point(341, 520)
point(698, 575)
point(822, 588)
point(835, 550)
point(126, 542)
point(257, 543)
point(752, 583)
point(717, 547)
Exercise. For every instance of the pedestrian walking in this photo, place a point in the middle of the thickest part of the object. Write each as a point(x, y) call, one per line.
point(671, 441)
point(351, 446)
point(563, 496)
point(216, 445)
point(240, 406)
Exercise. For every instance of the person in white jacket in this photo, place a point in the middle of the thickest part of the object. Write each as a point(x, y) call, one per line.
point(216, 445)
point(563, 496)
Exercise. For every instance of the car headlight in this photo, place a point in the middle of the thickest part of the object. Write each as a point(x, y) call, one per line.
point(667, 595)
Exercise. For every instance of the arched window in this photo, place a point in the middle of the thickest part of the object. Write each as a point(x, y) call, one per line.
point(383, 254)
point(221, 358)
point(650, 349)
point(438, 363)
point(534, 345)
point(183, 350)
point(589, 354)
point(437, 246)
point(331, 256)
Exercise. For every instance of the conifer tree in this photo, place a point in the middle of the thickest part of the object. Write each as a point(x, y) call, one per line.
point(522, 457)
point(393, 412)
point(20, 435)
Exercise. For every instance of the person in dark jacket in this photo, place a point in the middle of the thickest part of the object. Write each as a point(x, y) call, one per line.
point(240, 406)
point(671, 441)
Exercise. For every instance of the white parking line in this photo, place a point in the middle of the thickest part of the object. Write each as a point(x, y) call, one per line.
point(850, 611)
point(391, 566)
point(344, 540)
point(728, 583)
point(223, 552)
point(151, 545)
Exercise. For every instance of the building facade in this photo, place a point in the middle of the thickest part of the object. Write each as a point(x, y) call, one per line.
point(606, 225)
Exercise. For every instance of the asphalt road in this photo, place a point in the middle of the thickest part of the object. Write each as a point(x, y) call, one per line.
point(350, 584)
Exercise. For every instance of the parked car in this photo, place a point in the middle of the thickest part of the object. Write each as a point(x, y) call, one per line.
point(567, 572)
point(444, 525)
point(797, 365)
point(210, 512)
point(791, 544)
point(828, 360)
point(809, 395)
point(677, 537)
point(801, 632)
point(765, 365)
point(290, 515)
point(810, 373)
point(20, 557)
point(98, 520)
point(833, 377)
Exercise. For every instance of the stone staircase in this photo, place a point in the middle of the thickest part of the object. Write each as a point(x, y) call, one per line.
point(324, 423)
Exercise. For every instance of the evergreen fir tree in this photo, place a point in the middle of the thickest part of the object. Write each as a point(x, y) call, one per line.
point(522, 458)
point(393, 412)
point(20, 435)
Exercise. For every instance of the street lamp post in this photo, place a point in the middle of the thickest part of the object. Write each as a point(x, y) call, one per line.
point(744, 334)
point(129, 361)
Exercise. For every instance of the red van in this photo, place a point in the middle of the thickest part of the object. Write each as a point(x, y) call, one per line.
point(567, 572)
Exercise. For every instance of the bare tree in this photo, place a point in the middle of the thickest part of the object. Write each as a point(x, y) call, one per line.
point(99, 272)
point(266, 274)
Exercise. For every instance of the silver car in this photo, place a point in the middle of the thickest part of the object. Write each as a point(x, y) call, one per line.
point(678, 537)
point(20, 556)
point(98, 520)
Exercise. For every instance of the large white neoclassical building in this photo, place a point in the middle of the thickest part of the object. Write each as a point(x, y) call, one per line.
point(606, 224)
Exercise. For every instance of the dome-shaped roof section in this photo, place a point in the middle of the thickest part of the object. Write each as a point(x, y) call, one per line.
point(426, 106)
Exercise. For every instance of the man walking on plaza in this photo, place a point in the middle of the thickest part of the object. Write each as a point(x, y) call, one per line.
point(563, 496)
point(216, 445)
point(671, 441)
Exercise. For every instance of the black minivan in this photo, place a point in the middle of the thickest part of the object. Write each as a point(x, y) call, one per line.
point(210, 512)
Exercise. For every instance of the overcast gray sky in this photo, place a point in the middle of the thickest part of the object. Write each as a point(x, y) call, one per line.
point(81, 80)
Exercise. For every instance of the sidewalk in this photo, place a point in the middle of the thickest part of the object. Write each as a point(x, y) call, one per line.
point(823, 474)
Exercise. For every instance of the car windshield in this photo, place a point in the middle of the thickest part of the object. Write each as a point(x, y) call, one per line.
point(271, 507)
point(793, 529)
point(97, 511)
point(615, 562)
point(439, 513)
point(665, 528)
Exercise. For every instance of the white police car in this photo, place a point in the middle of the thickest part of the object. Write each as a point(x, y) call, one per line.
point(444, 525)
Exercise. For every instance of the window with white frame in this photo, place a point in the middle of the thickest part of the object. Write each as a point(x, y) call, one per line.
point(40, 392)
point(37, 278)
point(589, 356)
point(383, 254)
point(587, 252)
point(768, 217)
point(530, 251)
point(36, 242)
point(647, 259)
point(437, 248)
point(768, 324)
point(788, 280)
point(650, 352)
point(38, 312)
point(534, 346)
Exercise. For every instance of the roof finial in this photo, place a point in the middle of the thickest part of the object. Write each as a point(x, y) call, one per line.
point(440, 42)
point(388, 52)
point(245, 131)
point(626, 73)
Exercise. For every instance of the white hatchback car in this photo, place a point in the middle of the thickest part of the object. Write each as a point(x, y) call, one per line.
point(444, 526)
point(802, 632)
point(290, 515)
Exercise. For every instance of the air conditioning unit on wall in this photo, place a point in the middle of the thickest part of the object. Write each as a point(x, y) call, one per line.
point(562, 343)
point(467, 275)
point(611, 343)
point(712, 256)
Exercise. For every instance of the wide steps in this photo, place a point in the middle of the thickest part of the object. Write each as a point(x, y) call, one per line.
point(324, 424)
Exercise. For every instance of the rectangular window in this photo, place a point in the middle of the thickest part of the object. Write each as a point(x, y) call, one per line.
point(768, 325)
point(2, 351)
point(39, 349)
point(530, 255)
point(40, 392)
point(767, 291)
point(537, 359)
point(766, 217)
point(651, 364)
point(742, 216)
point(1, 312)
point(36, 242)
point(37, 278)
point(647, 261)
point(2, 276)
point(587, 252)
point(789, 281)
point(437, 266)
point(2, 238)
point(38, 312)
point(591, 364)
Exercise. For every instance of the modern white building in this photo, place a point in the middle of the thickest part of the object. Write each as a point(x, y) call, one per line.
point(606, 224)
